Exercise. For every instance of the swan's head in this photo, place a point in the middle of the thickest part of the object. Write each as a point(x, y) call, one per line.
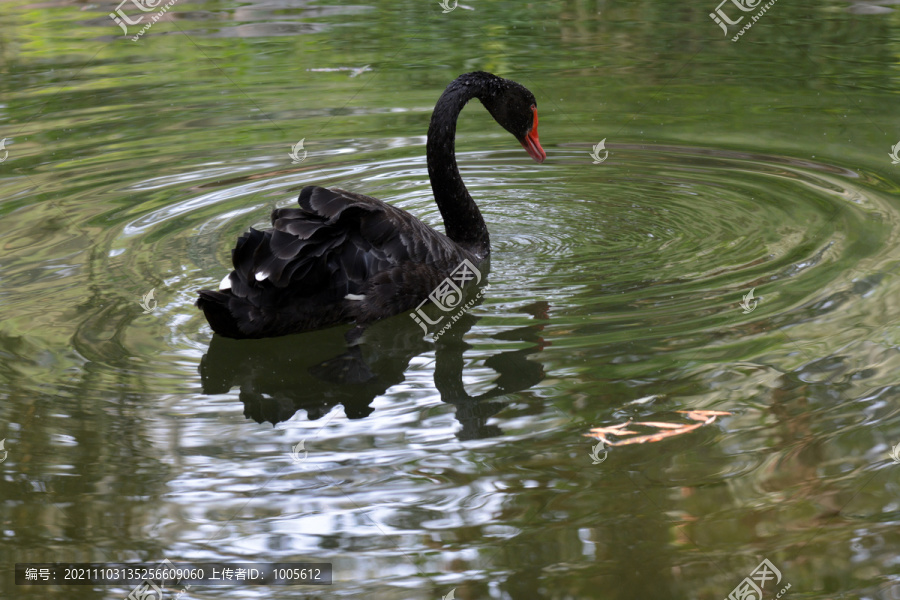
point(515, 108)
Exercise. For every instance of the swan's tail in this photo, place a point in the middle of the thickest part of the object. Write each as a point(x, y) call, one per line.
point(215, 305)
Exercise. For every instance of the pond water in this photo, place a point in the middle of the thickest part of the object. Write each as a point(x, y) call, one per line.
point(618, 291)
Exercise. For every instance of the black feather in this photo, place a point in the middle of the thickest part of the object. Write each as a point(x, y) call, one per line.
point(367, 248)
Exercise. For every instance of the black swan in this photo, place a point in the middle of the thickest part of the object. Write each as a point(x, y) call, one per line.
point(343, 257)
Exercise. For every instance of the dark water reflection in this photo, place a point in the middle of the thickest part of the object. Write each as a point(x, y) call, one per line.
point(281, 376)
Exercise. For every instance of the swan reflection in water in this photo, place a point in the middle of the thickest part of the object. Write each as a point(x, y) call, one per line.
point(279, 376)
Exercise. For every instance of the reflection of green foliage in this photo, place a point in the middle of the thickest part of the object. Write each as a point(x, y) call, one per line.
point(637, 66)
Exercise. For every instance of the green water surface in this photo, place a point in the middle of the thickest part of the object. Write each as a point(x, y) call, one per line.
point(459, 465)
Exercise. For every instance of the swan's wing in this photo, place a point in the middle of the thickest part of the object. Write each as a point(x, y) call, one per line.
point(337, 257)
point(333, 244)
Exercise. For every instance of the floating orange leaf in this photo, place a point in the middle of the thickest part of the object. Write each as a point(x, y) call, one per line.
point(671, 429)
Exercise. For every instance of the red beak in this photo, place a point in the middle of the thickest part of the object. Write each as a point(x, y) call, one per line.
point(531, 143)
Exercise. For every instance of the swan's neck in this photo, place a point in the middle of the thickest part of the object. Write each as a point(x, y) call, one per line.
point(462, 219)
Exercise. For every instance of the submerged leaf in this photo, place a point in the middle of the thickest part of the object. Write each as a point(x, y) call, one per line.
point(670, 429)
